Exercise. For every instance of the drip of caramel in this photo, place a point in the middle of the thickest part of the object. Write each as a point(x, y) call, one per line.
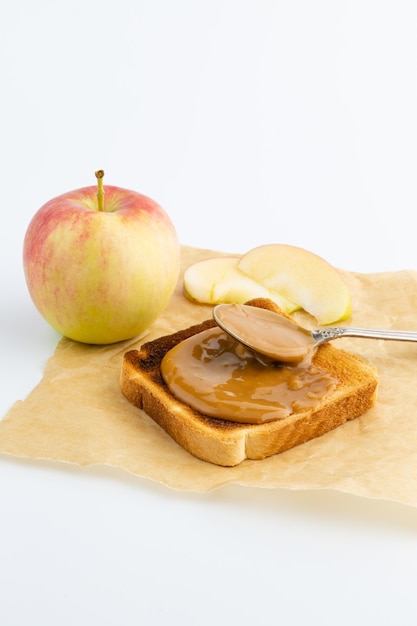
point(217, 376)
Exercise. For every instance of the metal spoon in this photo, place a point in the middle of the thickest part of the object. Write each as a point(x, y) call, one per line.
point(248, 321)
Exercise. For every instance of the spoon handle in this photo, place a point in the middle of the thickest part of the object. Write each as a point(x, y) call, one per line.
point(326, 334)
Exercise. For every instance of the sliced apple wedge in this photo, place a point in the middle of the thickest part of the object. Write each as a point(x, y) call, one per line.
point(300, 276)
point(218, 280)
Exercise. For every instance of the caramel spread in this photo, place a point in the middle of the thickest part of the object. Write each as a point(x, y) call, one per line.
point(267, 332)
point(219, 377)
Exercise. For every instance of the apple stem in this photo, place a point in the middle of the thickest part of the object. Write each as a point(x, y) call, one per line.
point(100, 190)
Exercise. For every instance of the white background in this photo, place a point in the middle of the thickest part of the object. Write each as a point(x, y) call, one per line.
point(250, 122)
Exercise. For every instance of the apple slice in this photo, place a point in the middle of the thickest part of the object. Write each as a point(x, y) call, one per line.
point(218, 279)
point(300, 276)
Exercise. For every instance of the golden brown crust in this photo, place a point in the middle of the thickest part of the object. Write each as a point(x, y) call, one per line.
point(227, 443)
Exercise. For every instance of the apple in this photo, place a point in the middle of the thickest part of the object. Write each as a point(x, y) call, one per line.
point(294, 278)
point(219, 279)
point(101, 263)
point(302, 277)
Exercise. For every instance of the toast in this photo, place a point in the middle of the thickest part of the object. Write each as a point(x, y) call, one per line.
point(229, 443)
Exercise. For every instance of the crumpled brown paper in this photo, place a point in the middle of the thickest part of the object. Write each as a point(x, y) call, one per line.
point(77, 413)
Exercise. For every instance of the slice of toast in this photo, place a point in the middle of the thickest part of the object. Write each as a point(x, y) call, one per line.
point(228, 443)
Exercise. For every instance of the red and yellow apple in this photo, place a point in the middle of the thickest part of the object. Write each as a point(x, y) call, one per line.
point(101, 263)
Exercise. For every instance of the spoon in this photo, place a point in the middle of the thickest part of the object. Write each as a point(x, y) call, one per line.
point(275, 336)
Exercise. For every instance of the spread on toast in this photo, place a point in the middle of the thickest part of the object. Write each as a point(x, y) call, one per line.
point(217, 376)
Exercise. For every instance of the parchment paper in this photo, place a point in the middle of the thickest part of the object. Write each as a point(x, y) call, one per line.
point(78, 415)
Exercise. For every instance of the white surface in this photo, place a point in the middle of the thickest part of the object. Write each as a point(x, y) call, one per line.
point(250, 122)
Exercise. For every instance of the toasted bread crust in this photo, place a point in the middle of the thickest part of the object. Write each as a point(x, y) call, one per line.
point(228, 443)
